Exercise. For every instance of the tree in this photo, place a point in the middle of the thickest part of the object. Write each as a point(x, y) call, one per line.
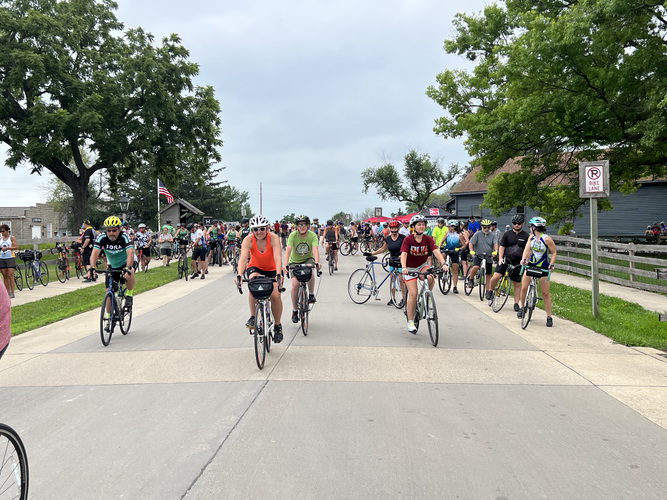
point(422, 176)
point(339, 216)
point(556, 83)
point(364, 214)
point(289, 218)
point(436, 199)
point(72, 79)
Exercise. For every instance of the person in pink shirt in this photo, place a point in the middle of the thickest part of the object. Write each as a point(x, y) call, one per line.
point(5, 320)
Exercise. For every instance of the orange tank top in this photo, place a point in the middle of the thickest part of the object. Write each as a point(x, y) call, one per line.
point(262, 260)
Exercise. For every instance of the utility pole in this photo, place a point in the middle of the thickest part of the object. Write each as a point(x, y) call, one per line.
point(260, 199)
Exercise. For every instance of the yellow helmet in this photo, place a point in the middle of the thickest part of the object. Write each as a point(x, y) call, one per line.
point(485, 222)
point(112, 221)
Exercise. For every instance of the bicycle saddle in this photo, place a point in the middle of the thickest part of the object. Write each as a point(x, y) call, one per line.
point(371, 258)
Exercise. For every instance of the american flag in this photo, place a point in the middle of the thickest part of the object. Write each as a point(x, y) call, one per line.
point(161, 189)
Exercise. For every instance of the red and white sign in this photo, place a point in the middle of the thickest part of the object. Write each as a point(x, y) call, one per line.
point(434, 211)
point(594, 179)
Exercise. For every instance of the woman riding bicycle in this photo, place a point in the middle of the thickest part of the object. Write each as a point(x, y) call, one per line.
point(393, 244)
point(414, 255)
point(331, 237)
point(452, 241)
point(536, 254)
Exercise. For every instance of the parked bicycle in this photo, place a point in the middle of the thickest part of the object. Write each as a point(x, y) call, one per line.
point(14, 472)
point(362, 284)
point(303, 273)
point(35, 269)
point(504, 288)
point(62, 264)
point(261, 289)
point(182, 265)
point(426, 308)
point(114, 308)
point(445, 278)
point(479, 280)
point(18, 278)
point(79, 268)
point(532, 296)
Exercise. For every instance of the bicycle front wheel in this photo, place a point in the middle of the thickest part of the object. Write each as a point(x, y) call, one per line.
point(304, 309)
point(107, 319)
point(43, 274)
point(331, 262)
point(431, 314)
point(78, 269)
point(18, 278)
point(125, 316)
point(445, 282)
point(360, 286)
point(528, 308)
point(468, 283)
point(344, 248)
point(259, 333)
point(396, 290)
point(14, 474)
point(61, 270)
point(481, 280)
point(30, 275)
point(500, 293)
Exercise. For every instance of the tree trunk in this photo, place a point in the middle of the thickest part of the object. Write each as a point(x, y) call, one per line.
point(81, 196)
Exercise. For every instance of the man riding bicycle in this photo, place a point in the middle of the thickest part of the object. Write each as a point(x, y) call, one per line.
point(302, 249)
point(265, 254)
point(483, 242)
point(510, 249)
point(331, 237)
point(143, 240)
point(119, 252)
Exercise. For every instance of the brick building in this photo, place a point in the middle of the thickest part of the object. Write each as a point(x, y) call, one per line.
point(40, 221)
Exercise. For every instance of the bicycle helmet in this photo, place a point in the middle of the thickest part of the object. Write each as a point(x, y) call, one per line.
point(112, 221)
point(329, 222)
point(142, 225)
point(453, 223)
point(168, 221)
point(417, 218)
point(245, 220)
point(494, 223)
point(394, 223)
point(190, 227)
point(441, 219)
point(518, 219)
point(538, 223)
point(485, 222)
point(302, 218)
point(258, 221)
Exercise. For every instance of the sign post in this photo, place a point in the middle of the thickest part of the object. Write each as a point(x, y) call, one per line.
point(378, 213)
point(594, 184)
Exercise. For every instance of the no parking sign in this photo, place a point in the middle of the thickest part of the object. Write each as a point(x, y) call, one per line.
point(594, 179)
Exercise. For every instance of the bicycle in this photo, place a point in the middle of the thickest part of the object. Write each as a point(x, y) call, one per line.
point(532, 295)
point(62, 264)
point(425, 306)
point(14, 473)
point(504, 288)
point(142, 259)
point(303, 273)
point(182, 266)
point(478, 280)
point(331, 257)
point(18, 278)
point(362, 284)
point(79, 268)
point(261, 288)
point(35, 270)
point(114, 307)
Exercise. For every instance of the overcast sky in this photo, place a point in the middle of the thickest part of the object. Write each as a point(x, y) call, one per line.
point(312, 92)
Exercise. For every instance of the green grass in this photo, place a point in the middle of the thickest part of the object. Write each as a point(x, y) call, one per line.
point(46, 311)
point(624, 322)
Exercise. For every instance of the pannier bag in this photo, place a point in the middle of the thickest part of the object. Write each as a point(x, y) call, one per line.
point(303, 274)
point(260, 288)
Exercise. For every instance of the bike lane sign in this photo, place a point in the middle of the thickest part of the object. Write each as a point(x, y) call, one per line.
point(594, 179)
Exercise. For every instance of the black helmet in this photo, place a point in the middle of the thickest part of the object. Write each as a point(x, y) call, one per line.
point(168, 221)
point(303, 218)
point(518, 219)
point(329, 222)
point(245, 220)
point(190, 227)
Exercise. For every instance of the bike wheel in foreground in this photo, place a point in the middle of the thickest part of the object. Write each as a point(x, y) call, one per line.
point(107, 319)
point(500, 293)
point(304, 309)
point(481, 279)
point(18, 278)
point(30, 276)
point(360, 286)
point(527, 310)
point(260, 347)
point(445, 282)
point(77, 270)
point(125, 317)
point(331, 263)
point(61, 270)
point(395, 290)
point(468, 287)
point(432, 319)
point(43, 274)
point(14, 473)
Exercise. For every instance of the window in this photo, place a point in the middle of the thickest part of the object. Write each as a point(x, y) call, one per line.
point(521, 209)
point(476, 211)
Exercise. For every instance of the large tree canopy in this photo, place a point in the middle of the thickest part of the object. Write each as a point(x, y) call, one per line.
point(557, 82)
point(421, 177)
point(72, 80)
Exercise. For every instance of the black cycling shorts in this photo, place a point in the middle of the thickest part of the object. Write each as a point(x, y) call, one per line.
point(268, 274)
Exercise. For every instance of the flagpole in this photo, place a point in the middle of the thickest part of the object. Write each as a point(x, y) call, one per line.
point(159, 222)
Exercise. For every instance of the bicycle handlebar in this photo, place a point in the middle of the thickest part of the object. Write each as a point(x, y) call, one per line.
point(246, 280)
point(427, 272)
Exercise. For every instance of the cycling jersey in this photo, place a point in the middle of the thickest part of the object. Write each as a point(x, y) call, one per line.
point(245, 231)
point(142, 239)
point(115, 251)
point(182, 237)
point(452, 240)
point(231, 236)
point(539, 256)
point(439, 234)
point(302, 247)
point(394, 246)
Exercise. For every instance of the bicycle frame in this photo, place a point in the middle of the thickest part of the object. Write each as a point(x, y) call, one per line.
point(532, 295)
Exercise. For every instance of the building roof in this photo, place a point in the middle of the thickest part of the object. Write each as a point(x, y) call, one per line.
point(189, 206)
point(13, 212)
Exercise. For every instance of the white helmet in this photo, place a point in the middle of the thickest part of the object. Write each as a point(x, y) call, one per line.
point(258, 221)
point(417, 218)
point(142, 225)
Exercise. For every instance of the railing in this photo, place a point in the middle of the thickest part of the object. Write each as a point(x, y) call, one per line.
point(628, 264)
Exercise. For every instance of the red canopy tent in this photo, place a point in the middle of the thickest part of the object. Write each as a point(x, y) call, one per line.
point(405, 218)
point(382, 218)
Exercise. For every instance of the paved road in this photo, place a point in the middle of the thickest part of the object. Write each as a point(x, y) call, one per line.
point(359, 408)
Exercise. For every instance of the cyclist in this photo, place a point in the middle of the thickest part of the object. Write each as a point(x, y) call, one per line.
point(263, 250)
point(405, 229)
point(540, 252)
point(284, 233)
point(87, 240)
point(483, 241)
point(5, 320)
point(168, 226)
point(119, 252)
point(245, 230)
point(474, 225)
point(510, 249)
point(198, 245)
point(332, 239)
point(8, 248)
point(212, 239)
point(143, 240)
point(302, 248)
point(415, 251)
point(439, 232)
point(354, 236)
point(452, 240)
point(393, 244)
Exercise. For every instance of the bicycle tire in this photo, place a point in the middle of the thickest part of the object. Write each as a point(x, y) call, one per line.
point(331, 262)
point(364, 247)
point(481, 283)
point(304, 309)
point(14, 466)
point(125, 317)
point(269, 330)
point(500, 293)
point(29, 276)
point(345, 248)
point(186, 271)
point(445, 282)
point(78, 269)
point(360, 286)
point(396, 290)
point(18, 278)
point(468, 287)
point(106, 320)
point(61, 271)
point(43, 273)
point(258, 334)
point(431, 314)
point(527, 310)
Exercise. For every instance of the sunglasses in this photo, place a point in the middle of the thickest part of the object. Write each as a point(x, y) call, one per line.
point(517, 223)
point(258, 229)
point(302, 224)
point(486, 227)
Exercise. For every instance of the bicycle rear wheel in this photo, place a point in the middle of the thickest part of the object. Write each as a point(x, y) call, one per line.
point(304, 309)
point(14, 473)
point(125, 316)
point(259, 332)
point(331, 262)
point(481, 283)
point(468, 283)
point(385, 262)
point(78, 269)
point(43, 274)
point(345, 248)
point(107, 318)
point(360, 286)
point(445, 282)
point(18, 278)
point(29, 276)
point(500, 293)
point(431, 314)
point(528, 307)
point(396, 291)
point(61, 270)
